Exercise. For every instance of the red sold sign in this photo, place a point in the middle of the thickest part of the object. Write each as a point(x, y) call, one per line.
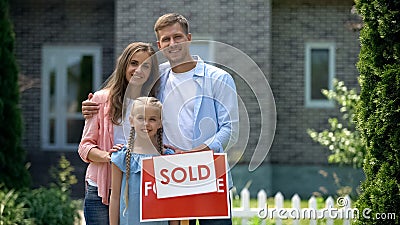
point(210, 205)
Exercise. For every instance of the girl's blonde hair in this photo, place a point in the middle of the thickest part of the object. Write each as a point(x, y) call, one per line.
point(140, 102)
point(118, 84)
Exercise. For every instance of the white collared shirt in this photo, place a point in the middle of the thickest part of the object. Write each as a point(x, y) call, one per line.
point(178, 110)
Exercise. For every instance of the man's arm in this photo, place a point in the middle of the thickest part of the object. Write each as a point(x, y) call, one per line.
point(89, 108)
point(226, 107)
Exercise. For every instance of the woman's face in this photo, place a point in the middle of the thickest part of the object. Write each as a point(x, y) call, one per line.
point(138, 68)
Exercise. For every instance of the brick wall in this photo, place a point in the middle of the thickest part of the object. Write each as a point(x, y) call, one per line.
point(293, 24)
point(55, 22)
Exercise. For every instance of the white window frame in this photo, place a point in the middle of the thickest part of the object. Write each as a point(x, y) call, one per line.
point(312, 103)
point(62, 52)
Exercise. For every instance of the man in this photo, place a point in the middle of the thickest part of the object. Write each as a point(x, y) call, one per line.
point(191, 91)
point(200, 109)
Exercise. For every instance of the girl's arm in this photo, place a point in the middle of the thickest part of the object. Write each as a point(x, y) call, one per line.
point(116, 180)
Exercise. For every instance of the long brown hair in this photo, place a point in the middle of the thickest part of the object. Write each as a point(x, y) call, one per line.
point(117, 83)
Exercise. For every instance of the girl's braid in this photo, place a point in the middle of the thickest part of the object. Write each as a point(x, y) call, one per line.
point(131, 142)
point(160, 140)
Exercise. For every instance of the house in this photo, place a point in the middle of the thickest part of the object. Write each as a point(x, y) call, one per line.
point(66, 49)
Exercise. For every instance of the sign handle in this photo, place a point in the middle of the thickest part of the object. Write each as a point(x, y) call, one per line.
point(184, 222)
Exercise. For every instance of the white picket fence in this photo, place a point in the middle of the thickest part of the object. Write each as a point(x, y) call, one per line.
point(295, 213)
point(311, 213)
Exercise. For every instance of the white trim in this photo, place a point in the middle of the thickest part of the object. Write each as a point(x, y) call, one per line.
point(310, 103)
point(59, 54)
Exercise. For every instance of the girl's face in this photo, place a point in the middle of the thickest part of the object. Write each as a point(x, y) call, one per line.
point(146, 120)
point(138, 69)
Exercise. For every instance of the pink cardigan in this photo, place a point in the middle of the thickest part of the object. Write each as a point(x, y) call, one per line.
point(98, 132)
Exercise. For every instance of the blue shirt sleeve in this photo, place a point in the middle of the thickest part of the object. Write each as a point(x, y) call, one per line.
point(118, 158)
point(226, 107)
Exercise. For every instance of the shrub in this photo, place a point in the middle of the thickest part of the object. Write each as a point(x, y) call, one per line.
point(12, 211)
point(53, 205)
point(50, 206)
point(342, 138)
point(379, 109)
point(13, 173)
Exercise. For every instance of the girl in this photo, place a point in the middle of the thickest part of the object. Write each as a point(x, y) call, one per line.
point(145, 140)
point(138, 71)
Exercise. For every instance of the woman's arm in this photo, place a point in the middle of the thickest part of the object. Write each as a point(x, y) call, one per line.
point(97, 155)
point(116, 180)
point(88, 149)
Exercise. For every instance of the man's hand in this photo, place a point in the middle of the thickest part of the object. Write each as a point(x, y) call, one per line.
point(89, 108)
point(201, 147)
point(175, 149)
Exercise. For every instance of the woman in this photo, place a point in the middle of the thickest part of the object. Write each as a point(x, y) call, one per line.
point(136, 69)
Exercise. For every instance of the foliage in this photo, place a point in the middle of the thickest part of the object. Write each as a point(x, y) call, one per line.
point(63, 176)
point(50, 206)
point(13, 173)
point(342, 138)
point(11, 210)
point(378, 113)
point(53, 205)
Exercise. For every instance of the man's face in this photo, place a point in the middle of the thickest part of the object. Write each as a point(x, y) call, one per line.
point(174, 43)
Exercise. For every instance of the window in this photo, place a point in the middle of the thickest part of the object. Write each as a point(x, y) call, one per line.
point(69, 73)
point(319, 73)
point(203, 48)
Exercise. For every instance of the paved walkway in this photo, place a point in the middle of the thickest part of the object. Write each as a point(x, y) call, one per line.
point(82, 222)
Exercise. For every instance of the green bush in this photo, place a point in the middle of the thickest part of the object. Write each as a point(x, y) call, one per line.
point(63, 176)
point(379, 109)
point(13, 173)
point(12, 211)
point(53, 205)
point(342, 138)
point(50, 206)
point(46, 206)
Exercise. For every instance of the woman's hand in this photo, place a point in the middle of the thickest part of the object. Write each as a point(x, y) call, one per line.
point(116, 148)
